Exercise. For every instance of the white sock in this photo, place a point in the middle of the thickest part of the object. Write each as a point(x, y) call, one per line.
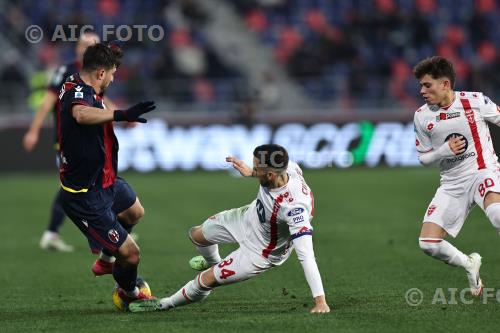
point(440, 249)
point(210, 253)
point(47, 234)
point(106, 258)
point(193, 291)
point(493, 213)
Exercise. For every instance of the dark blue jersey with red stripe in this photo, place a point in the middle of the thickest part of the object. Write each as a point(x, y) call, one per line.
point(55, 84)
point(89, 153)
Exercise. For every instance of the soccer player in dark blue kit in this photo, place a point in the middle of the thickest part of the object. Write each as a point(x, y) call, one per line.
point(51, 239)
point(88, 172)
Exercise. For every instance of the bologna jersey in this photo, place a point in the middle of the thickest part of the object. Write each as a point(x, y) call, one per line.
point(57, 80)
point(278, 216)
point(88, 152)
point(465, 117)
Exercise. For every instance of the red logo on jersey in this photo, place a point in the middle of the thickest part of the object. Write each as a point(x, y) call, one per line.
point(417, 143)
point(469, 114)
point(442, 116)
point(498, 108)
point(419, 110)
point(430, 126)
point(431, 210)
point(113, 235)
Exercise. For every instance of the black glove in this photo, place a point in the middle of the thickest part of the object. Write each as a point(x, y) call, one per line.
point(133, 113)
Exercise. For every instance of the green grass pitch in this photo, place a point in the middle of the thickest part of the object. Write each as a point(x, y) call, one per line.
point(366, 227)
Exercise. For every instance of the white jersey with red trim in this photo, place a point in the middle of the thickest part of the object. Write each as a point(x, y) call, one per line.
point(467, 117)
point(278, 216)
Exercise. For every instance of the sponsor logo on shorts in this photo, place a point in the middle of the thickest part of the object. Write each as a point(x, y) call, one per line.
point(113, 235)
point(295, 211)
point(431, 210)
point(298, 219)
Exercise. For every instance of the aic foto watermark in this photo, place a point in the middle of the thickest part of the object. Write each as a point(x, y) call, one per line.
point(71, 32)
point(451, 296)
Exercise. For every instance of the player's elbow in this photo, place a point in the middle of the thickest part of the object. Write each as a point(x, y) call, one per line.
point(80, 117)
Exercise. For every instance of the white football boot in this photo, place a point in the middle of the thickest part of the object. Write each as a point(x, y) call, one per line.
point(52, 241)
point(475, 283)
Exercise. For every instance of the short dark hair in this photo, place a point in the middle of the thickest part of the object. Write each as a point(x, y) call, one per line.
point(271, 156)
point(101, 56)
point(437, 67)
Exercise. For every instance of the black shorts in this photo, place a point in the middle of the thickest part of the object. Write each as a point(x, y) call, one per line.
point(95, 214)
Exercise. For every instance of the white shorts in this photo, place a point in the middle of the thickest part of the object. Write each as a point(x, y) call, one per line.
point(453, 202)
point(241, 264)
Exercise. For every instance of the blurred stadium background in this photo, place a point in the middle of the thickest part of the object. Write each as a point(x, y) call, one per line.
point(228, 65)
point(329, 79)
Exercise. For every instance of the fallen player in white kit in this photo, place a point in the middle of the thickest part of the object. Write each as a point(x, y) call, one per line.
point(451, 132)
point(267, 230)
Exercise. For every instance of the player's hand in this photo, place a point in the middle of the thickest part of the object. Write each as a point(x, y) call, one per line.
point(321, 306)
point(239, 165)
point(30, 140)
point(135, 112)
point(457, 144)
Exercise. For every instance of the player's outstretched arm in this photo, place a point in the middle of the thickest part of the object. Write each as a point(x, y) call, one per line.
point(305, 252)
point(239, 165)
point(30, 139)
point(87, 115)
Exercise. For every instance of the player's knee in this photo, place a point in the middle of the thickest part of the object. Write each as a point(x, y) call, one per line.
point(206, 279)
point(196, 236)
point(136, 214)
point(430, 246)
point(133, 258)
point(130, 255)
point(493, 214)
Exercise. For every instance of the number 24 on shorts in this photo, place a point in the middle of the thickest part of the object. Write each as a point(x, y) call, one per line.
point(225, 273)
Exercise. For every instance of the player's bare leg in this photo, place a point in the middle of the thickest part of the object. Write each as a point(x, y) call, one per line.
point(129, 217)
point(133, 214)
point(432, 242)
point(209, 251)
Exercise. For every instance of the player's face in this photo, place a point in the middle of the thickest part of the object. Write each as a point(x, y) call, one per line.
point(265, 177)
point(107, 78)
point(434, 91)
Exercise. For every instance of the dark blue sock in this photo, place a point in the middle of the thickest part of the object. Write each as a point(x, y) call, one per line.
point(57, 213)
point(125, 276)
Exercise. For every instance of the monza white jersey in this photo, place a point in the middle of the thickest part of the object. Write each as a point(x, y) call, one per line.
point(467, 117)
point(278, 216)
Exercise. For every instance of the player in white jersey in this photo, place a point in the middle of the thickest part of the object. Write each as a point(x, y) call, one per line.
point(452, 132)
point(267, 230)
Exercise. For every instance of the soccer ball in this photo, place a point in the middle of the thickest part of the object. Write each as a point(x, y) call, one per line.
point(120, 303)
